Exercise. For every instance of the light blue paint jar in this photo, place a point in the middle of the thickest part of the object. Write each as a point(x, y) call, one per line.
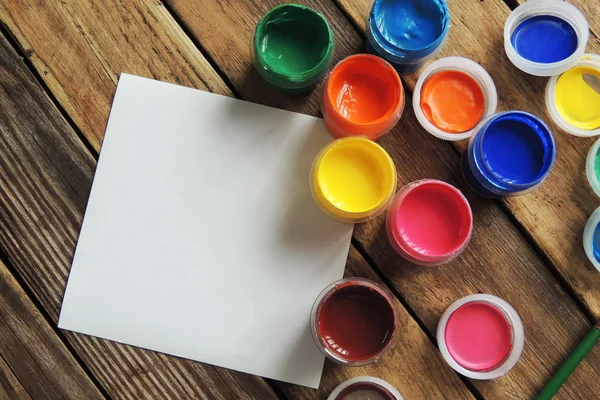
point(591, 239)
point(510, 153)
point(407, 33)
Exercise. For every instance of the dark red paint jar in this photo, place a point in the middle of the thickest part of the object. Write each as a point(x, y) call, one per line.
point(354, 321)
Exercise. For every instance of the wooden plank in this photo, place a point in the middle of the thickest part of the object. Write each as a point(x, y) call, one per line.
point(10, 387)
point(555, 214)
point(443, 377)
point(413, 366)
point(45, 176)
point(499, 260)
point(33, 349)
point(91, 43)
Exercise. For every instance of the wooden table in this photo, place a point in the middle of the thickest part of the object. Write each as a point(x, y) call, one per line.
point(59, 64)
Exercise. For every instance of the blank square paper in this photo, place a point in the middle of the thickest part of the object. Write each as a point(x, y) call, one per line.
point(201, 238)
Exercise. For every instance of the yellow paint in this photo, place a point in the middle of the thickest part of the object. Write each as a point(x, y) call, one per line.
point(576, 101)
point(353, 179)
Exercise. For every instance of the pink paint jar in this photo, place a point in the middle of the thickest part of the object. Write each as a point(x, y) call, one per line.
point(429, 222)
point(481, 336)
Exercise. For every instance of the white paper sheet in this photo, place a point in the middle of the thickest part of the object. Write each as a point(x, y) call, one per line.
point(201, 238)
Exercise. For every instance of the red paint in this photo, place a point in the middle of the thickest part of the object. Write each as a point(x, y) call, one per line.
point(356, 321)
point(430, 220)
point(478, 336)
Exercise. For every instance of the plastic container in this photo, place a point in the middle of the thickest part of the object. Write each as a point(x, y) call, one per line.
point(592, 167)
point(353, 179)
point(591, 239)
point(481, 336)
point(571, 102)
point(365, 387)
point(511, 153)
point(555, 10)
point(354, 321)
point(407, 33)
point(462, 92)
point(362, 96)
point(429, 223)
point(292, 48)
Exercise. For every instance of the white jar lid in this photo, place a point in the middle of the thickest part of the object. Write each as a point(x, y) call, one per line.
point(388, 392)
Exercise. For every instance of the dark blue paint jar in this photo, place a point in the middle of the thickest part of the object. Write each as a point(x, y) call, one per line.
point(407, 33)
point(509, 154)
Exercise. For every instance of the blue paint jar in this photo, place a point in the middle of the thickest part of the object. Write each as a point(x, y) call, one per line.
point(407, 33)
point(591, 239)
point(545, 37)
point(510, 153)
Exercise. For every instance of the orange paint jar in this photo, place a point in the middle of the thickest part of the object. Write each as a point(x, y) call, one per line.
point(452, 96)
point(362, 96)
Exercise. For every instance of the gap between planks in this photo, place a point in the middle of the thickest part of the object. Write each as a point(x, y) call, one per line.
point(40, 81)
point(529, 239)
point(59, 334)
point(95, 155)
point(390, 286)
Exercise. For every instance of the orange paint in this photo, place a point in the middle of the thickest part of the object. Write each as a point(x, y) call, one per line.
point(363, 96)
point(452, 101)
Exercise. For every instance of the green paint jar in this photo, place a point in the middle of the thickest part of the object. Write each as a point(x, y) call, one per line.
point(292, 48)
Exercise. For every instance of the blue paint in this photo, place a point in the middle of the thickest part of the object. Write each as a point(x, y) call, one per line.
point(544, 39)
point(509, 155)
point(407, 32)
point(596, 243)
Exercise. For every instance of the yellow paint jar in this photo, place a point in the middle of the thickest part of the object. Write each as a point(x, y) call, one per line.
point(573, 100)
point(353, 179)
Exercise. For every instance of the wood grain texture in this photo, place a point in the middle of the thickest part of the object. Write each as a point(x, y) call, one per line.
point(10, 387)
point(79, 48)
point(413, 366)
point(45, 176)
point(499, 260)
point(553, 215)
point(443, 377)
point(34, 351)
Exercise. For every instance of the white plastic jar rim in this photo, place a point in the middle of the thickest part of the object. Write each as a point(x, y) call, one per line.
point(556, 8)
point(365, 379)
point(517, 336)
point(469, 67)
point(588, 237)
point(590, 167)
point(587, 60)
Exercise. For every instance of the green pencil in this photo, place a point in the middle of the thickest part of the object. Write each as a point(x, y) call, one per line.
point(570, 364)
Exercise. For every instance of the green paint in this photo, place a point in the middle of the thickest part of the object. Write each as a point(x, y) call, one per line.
point(292, 47)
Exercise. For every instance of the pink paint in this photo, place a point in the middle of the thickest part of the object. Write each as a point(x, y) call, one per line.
point(478, 336)
point(430, 222)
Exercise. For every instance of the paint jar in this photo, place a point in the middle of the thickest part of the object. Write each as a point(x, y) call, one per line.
point(292, 48)
point(407, 32)
point(511, 153)
point(353, 179)
point(545, 37)
point(452, 96)
point(429, 223)
point(592, 167)
point(354, 321)
point(573, 98)
point(363, 388)
point(362, 96)
point(591, 239)
point(481, 336)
